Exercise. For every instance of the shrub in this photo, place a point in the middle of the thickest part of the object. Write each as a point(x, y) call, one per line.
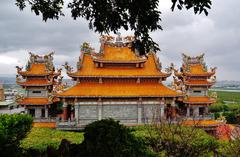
point(178, 141)
point(231, 117)
point(216, 108)
point(39, 139)
point(13, 128)
point(216, 115)
point(108, 138)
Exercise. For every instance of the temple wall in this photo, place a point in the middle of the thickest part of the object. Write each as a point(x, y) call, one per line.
point(134, 112)
point(123, 113)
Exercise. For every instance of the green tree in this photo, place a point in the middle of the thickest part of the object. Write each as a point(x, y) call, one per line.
point(231, 117)
point(180, 141)
point(141, 16)
point(13, 128)
point(108, 138)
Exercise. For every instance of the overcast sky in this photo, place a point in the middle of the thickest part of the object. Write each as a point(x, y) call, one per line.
point(217, 35)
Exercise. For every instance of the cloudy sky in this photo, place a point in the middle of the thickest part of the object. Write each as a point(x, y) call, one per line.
point(217, 35)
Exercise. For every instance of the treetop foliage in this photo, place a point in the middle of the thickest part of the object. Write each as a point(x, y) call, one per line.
point(108, 138)
point(105, 16)
point(13, 128)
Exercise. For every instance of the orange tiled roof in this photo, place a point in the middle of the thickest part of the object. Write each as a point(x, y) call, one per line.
point(118, 54)
point(198, 100)
point(44, 124)
point(89, 69)
point(36, 69)
point(203, 122)
point(198, 82)
point(35, 101)
point(198, 70)
point(35, 82)
point(119, 90)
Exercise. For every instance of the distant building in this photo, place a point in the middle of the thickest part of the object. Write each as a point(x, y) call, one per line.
point(194, 80)
point(8, 106)
point(38, 80)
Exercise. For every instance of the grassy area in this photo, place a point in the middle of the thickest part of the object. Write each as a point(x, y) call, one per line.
point(227, 96)
point(40, 138)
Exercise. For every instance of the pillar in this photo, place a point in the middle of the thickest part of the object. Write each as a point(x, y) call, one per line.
point(65, 114)
point(46, 112)
point(188, 111)
point(174, 109)
point(77, 105)
point(196, 111)
point(162, 108)
point(26, 111)
point(139, 112)
point(206, 110)
point(99, 109)
point(38, 112)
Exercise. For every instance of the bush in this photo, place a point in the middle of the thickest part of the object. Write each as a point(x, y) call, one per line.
point(39, 139)
point(216, 108)
point(13, 128)
point(217, 115)
point(108, 138)
point(231, 117)
point(178, 141)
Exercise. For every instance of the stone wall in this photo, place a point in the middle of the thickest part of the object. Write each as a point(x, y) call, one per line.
point(126, 113)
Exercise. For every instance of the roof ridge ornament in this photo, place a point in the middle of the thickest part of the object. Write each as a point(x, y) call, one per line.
point(86, 48)
point(118, 41)
point(193, 59)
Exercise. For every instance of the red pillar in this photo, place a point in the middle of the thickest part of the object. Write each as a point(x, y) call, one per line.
point(65, 112)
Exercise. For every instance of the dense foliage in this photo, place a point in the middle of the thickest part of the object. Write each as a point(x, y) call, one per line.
point(13, 128)
point(178, 141)
point(40, 139)
point(108, 138)
point(141, 16)
point(230, 148)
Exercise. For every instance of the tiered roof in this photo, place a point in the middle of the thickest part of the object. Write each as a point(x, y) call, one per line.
point(36, 101)
point(114, 54)
point(198, 83)
point(118, 89)
point(39, 72)
point(88, 69)
point(198, 100)
point(194, 74)
point(113, 62)
point(194, 66)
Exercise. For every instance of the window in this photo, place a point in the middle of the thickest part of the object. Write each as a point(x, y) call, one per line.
point(196, 91)
point(43, 112)
point(32, 112)
point(36, 91)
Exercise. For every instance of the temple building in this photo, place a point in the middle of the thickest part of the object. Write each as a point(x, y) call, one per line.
point(118, 83)
point(194, 79)
point(38, 80)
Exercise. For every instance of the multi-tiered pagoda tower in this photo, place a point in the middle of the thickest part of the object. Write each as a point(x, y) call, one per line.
point(194, 80)
point(38, 80)
point(119, 84)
